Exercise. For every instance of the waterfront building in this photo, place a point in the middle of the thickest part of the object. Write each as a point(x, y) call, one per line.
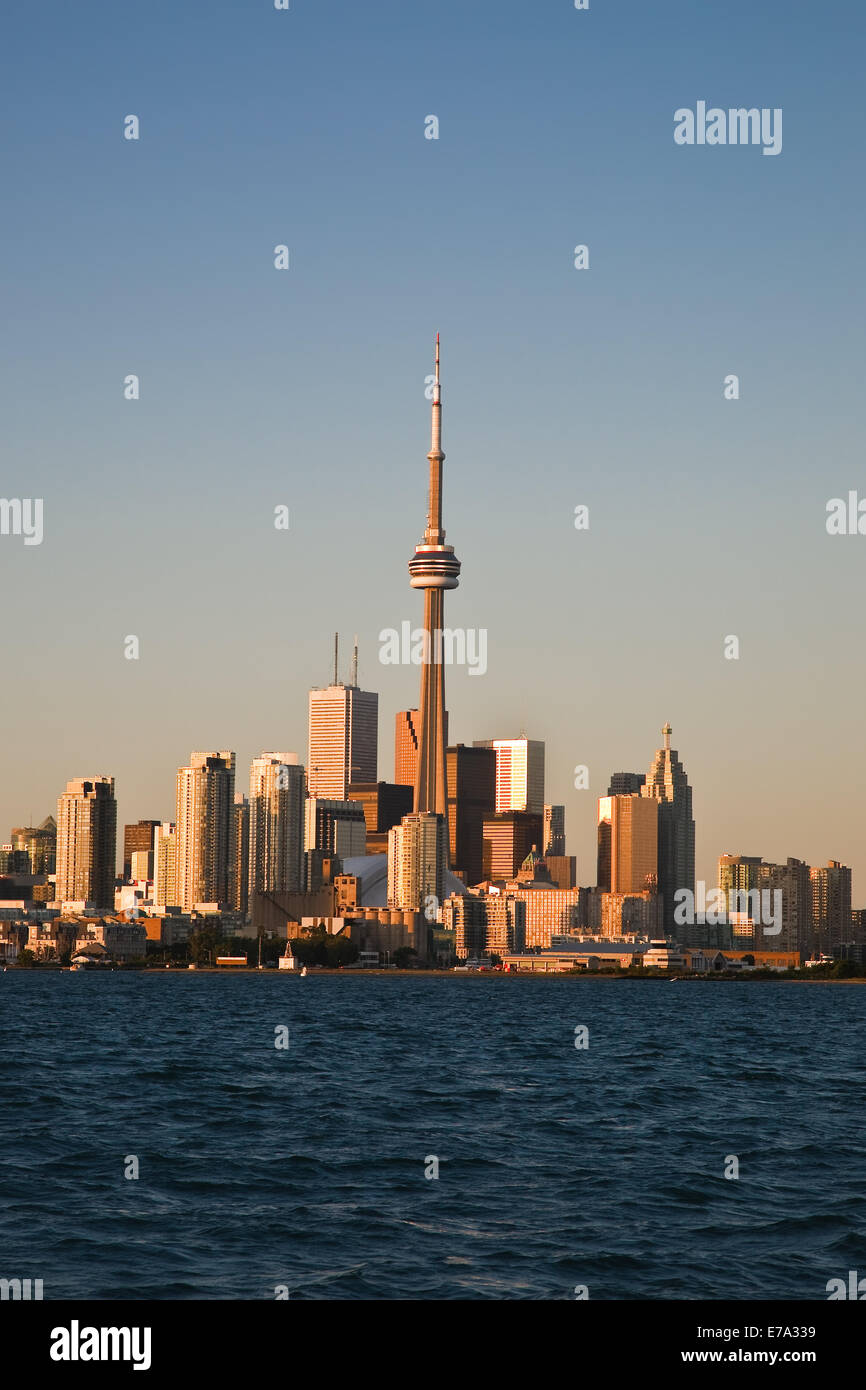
point(631, 914)
point(277, 823)
point(627, 843)
point(86, 842)
point(485, 924)
point(418, 862)
point(165, 865)
point(738, 874)
point(550, 911)
point(205, 796)
point(831, 907)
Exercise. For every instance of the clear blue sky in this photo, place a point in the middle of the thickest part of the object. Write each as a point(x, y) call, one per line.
point(306, 387)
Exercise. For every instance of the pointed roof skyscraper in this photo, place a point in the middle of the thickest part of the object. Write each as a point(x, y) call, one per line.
point(668, 784)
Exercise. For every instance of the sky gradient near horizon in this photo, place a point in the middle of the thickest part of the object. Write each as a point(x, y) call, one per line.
point(601, 387)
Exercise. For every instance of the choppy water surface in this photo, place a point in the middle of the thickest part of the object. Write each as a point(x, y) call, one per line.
point(305, 1166)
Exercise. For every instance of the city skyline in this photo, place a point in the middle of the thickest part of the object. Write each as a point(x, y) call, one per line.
point(305, 388)
point(288, 765)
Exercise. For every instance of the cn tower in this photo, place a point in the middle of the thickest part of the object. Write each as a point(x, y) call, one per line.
point(434, 568)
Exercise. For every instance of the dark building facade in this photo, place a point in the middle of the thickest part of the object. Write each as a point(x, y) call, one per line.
point(471, 778)
point(626, 783)
point(507, 839)
point(385, 804)
point(137, 838)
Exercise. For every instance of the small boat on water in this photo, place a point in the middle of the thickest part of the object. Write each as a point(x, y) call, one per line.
point(303, 970)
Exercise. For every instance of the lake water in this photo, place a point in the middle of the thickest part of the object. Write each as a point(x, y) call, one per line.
point(304, 1166)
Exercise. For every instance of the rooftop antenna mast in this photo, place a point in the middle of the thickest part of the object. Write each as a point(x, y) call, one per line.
point(336, 650)
point(355, 662)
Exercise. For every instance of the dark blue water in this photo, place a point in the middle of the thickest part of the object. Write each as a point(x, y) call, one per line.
point(262, 1167)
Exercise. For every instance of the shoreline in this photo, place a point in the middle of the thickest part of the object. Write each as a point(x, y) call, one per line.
point(449, 974)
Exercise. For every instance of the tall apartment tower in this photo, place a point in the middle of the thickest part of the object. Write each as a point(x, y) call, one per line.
point(471, 800)
point(519, 773)
point(627, 844)
point(553, 840)
point(417, 860)
point(277, 796)
point(205, 797)
point(831, 907)
point(86, 842)
point(668, 784)
point(406, 726)
point(738, 874)
point(165, 865)
point(433, 568)
point(344, 737)
point(793, 880)
point(239, 852)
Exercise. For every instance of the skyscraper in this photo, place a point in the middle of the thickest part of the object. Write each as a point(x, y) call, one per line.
point(137, 837)
point(668, 784)
point(471, 799)
point(627, 844)
point(626, 783)
point(738, 874)
point(205, 796)
point(433, 568)
point(344, 736)
point(519, 773)
point(793, 881)
point(406, 747)
point(239, 855)
point(276, 823)
point(165, 865)
point(554, 831)
point(384, 804)
point(86, 842)
point(831, 907)
point(337, 827)
point(40, 844)
point(417, 860)
point(508, 838)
